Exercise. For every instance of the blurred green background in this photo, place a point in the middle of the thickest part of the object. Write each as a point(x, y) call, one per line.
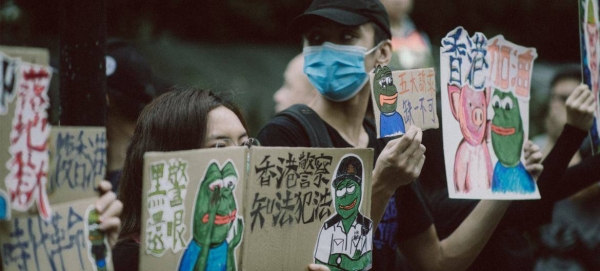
point(243, 45)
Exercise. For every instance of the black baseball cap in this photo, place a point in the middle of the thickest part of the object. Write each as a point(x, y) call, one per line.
point(129, 78)
point(346, 12)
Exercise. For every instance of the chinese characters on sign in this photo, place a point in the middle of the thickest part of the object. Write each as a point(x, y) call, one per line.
point(28, 165)
point(302, 190)
point(485, 95)
point(402, 99)
point(165, 226)
point(80, 159)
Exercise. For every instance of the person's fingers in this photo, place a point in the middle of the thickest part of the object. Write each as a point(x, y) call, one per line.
point(406, 140)
point(534, 158)
point(113, 210)
point(104, 201)
point(104, 186)
point(588, 101)
point(574, 95)
point(317, 267)
point(535, 170)
point(414, 144)
point(110, 224)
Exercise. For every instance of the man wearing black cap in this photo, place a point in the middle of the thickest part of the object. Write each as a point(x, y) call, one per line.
point(129, 88)
point(345, 241)
point(343, 40)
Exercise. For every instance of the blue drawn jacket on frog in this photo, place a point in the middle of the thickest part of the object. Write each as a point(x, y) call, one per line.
point(512, 179)
point(217, 257)
point(391, 124)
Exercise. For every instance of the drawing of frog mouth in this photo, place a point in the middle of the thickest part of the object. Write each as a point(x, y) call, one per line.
point(221, 219)
point(385, 99)
point(502, 130)
point(348, 207)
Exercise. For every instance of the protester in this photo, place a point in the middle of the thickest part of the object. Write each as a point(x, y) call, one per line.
point(509, 247)
point(411, 48)
point(343, 40)
point(177, 120)
point(130, 87)
point(296, 88)
point(561, 86)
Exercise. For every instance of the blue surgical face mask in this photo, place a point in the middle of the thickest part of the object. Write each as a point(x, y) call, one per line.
point(336, 71)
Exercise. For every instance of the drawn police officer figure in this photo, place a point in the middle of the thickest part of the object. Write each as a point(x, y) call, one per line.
point(345, 240)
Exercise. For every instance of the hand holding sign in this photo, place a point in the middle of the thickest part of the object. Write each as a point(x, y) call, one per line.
point(580, 108)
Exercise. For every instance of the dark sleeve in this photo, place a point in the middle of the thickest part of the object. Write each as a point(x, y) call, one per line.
point(126, 255)
point(283, 132)
point(555, 183)
point(413, 213)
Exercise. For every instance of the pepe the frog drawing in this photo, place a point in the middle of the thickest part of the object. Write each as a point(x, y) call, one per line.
point(217, 229)
point(345, 240)
point(507, 140)
point(386, 97)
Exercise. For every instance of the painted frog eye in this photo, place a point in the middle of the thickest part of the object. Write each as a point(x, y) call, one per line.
point(218, 183)
point(351, 189)
point(496, 101)
point(506, 103)
point(230, 182)
point(341, 192)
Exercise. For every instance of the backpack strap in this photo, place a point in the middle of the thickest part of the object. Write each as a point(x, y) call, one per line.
point(312, 124)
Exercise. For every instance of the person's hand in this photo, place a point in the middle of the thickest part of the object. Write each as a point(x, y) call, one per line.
point(533, 159)
point(401, 161)
point(317, 267)
point(109, 209)
point(580, 108)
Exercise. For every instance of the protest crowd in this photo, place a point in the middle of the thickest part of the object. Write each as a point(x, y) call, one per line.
point(425, 158)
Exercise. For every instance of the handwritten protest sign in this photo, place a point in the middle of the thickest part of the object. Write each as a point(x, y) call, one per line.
point(77, 162)
point(68, 241)
point(261, 208)
point(402, 99)
point(589, 30)
point(16, 122)
point(485, 109)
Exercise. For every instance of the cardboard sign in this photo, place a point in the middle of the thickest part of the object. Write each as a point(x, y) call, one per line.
point(485, 107)
point(402, 99)
point(69, 241)
point(77, 162)
point(24, 131)
point(257, 209)
point(589, 30)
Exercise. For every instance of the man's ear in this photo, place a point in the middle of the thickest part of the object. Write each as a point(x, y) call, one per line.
point(384, 53)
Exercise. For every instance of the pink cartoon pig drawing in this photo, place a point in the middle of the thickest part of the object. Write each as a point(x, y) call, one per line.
point(472, 164)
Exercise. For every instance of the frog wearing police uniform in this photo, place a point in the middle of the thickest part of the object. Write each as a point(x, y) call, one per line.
point(345, 240)
point(386, 97)
point(507, 140)
point(217, 229)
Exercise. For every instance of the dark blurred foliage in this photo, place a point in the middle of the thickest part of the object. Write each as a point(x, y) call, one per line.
point(548, 25)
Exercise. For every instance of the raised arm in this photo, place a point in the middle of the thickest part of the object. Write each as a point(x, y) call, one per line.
point(399, 164)
point(456, 252)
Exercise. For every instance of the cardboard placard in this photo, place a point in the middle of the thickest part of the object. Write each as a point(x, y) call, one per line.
point(77, 162)
point(402, 99)
point(589, 32)
point(24, 132)
point(69, 241)
point(485, 88)
point(258, 209)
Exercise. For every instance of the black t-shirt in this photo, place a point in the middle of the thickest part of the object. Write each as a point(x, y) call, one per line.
point(509, 248)
point(126, 255)
point(406, 214)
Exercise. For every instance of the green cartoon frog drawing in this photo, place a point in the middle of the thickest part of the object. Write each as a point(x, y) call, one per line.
point(345, 240)
point(215, 218)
